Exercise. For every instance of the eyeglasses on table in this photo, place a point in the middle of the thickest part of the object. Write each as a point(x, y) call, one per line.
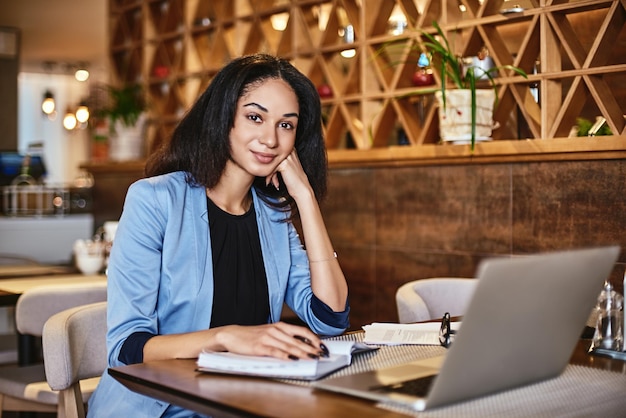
point(446, 333)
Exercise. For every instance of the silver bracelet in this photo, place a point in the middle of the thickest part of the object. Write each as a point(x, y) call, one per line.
point(325, 259)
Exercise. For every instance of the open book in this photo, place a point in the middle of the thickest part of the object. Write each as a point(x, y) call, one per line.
point(340, 356)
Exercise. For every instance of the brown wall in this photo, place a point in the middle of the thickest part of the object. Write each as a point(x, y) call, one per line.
point(9, 66)
point(392, 225)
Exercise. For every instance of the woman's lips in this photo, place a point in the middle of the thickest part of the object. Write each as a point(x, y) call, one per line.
point(264, 158)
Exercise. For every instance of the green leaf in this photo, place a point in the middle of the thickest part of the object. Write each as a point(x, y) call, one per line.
point(127, 104)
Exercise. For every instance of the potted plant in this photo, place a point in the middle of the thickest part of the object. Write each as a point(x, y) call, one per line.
point(126, 115)
point(454, 103)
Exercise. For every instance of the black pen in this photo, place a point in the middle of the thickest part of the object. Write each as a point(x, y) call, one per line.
point(303, 339)
point(323, 353)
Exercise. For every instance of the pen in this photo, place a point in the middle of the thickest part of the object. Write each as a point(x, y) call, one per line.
point(303, 339)
point(323, 353)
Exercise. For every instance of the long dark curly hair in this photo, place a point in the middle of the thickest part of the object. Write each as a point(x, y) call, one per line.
point(200, 144)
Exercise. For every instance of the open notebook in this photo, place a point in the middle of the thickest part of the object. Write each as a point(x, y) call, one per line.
point(521, 326)
point(340, 356)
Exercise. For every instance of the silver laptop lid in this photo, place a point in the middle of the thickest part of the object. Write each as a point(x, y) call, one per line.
point(522, 325)
point(523, 322)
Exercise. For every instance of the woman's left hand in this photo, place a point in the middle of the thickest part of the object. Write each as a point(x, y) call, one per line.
point(293, 174)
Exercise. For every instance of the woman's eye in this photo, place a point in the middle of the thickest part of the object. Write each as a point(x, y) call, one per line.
point(286, 125)
point(254, 117)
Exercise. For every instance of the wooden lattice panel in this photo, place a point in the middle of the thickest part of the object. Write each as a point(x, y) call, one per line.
point(574, 53)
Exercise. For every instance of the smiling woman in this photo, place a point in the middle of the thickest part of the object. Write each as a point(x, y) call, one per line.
point(206, 253)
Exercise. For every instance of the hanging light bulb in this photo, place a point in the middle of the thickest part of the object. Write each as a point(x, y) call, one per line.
point(82, 113)
point(48, 104)
point(81, 74)
point(69, 121)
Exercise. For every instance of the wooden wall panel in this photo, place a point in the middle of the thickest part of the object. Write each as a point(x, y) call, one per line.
point(442, 220)
point(568, 204)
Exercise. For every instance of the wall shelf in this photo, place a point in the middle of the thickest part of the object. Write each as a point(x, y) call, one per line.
point(574, 52)
point(513, 151)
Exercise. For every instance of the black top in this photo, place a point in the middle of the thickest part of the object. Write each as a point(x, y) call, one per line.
point(240, 294)
point(240, 284)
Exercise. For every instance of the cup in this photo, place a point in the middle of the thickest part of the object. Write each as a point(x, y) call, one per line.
point(89, 256)
point(89, 264)
point(110, 228)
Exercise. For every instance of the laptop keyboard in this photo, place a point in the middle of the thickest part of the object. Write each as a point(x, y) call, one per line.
point(415, 387)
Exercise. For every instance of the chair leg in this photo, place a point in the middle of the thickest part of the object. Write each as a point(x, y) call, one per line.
point(71, 403)
point(60, 408)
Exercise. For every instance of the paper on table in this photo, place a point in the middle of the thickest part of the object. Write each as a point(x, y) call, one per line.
point(426, 333)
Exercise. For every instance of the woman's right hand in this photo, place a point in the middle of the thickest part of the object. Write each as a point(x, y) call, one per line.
point(279, 340)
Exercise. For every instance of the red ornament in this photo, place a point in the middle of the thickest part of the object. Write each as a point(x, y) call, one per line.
point(325, 91)
point(161, 71)
point(421, 78)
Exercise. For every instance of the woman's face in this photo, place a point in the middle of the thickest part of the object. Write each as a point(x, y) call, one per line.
point(264, 131)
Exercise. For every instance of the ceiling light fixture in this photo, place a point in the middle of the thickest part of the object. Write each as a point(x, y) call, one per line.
point(48, 105)
point(69, 121)
point(81, 74)
point(82, 113)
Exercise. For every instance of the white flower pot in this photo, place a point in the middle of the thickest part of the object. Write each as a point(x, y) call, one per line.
point(455, 122)
point(127, 142)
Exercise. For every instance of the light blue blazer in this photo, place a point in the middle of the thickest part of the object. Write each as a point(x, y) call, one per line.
point(160, 277)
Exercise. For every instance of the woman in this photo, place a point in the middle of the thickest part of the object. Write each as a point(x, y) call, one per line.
point(206, 253)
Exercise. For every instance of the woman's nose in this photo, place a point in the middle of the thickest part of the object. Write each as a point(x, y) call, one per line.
point(269, 138)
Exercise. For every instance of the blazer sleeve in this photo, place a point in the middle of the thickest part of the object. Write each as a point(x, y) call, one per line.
point(300, 297)
point(134, 268)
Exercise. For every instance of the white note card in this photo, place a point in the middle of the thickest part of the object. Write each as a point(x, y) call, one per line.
point(426, 333)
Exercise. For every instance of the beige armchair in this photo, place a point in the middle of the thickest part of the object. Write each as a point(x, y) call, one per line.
point(25, 388)
point(75, 356)
point(427, 299)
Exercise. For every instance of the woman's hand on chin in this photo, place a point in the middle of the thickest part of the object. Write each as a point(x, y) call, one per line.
point(294, 177)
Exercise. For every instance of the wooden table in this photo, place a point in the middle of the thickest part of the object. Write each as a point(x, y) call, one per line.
point(11, 288)
point(12, 271)
point(17, 271)
point(177, 382)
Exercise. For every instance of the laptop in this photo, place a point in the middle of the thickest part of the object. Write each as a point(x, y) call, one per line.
point(521, 327)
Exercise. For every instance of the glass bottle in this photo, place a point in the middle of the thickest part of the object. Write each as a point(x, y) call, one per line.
point(24, 178)
point(609, 333)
